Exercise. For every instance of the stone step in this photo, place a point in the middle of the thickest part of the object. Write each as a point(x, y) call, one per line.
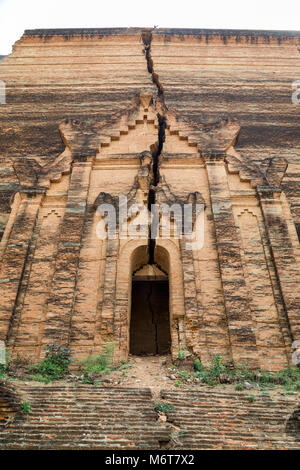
point(89, 417)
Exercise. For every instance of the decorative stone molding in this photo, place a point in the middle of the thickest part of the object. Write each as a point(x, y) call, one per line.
point(33, 176)
point(83, 139)
point(164, 195)
point(215, 138)
point(268, 174)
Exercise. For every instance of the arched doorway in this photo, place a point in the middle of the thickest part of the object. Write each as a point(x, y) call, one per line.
point(133, 256)
point(150, 315)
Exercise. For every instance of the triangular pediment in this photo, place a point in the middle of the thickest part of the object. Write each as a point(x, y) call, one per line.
point(130, 132)
point(140, 121)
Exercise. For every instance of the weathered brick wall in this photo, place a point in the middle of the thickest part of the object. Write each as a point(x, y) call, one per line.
point(210, 74)
point(239, 294)
point(50, 77)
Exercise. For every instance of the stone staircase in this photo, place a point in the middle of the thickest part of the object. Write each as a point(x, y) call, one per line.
point(216, 420)
point(90, 417)
point(9, 404)
point(85, 417)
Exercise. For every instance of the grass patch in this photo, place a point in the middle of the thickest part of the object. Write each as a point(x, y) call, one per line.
point(163, 407)
point(124, 365)
point(198, 366)
point(181, 355)
point(55, 365)
point(239, 387)
point(26, 408)
point(289, 378)
point(220, 373)
point(3, 370)
point(40, 378)
point(211, 375)
point(87, 378)
point(99, 364)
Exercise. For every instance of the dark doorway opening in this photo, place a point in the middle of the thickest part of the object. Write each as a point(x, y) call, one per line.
point(150, 319)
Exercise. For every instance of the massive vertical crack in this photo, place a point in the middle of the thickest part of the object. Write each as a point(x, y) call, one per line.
point(157, 149)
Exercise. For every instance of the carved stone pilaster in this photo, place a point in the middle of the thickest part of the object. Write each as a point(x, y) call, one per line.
point(285, 263)
point(239, 318)
point(15, 256)
point(61, 301)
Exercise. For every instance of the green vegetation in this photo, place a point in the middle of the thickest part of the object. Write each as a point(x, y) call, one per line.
point(220, 373)
point(41, 378)
point(87, 378)
point(3, 370)
point(57, 360)
point(239, 387)
point(242, 372)
point(124, 365)
point(184, 374)
point(100, 364)
point(163, 407)
point(290, 378)
point(26, 408)
point(211, 375)
point(181, 355)
point(251, 398)
point(198, 366)
point(55, 365)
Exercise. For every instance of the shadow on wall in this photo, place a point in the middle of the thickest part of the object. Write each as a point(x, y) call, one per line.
point(9, 404)
point(293, 425)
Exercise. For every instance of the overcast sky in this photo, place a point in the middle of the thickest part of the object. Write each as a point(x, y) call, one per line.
point(18, 15)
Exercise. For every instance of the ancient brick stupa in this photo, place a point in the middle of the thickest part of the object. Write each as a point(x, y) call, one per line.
point(161, 117)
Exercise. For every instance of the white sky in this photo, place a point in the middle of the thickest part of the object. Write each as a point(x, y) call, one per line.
point(18, 15)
